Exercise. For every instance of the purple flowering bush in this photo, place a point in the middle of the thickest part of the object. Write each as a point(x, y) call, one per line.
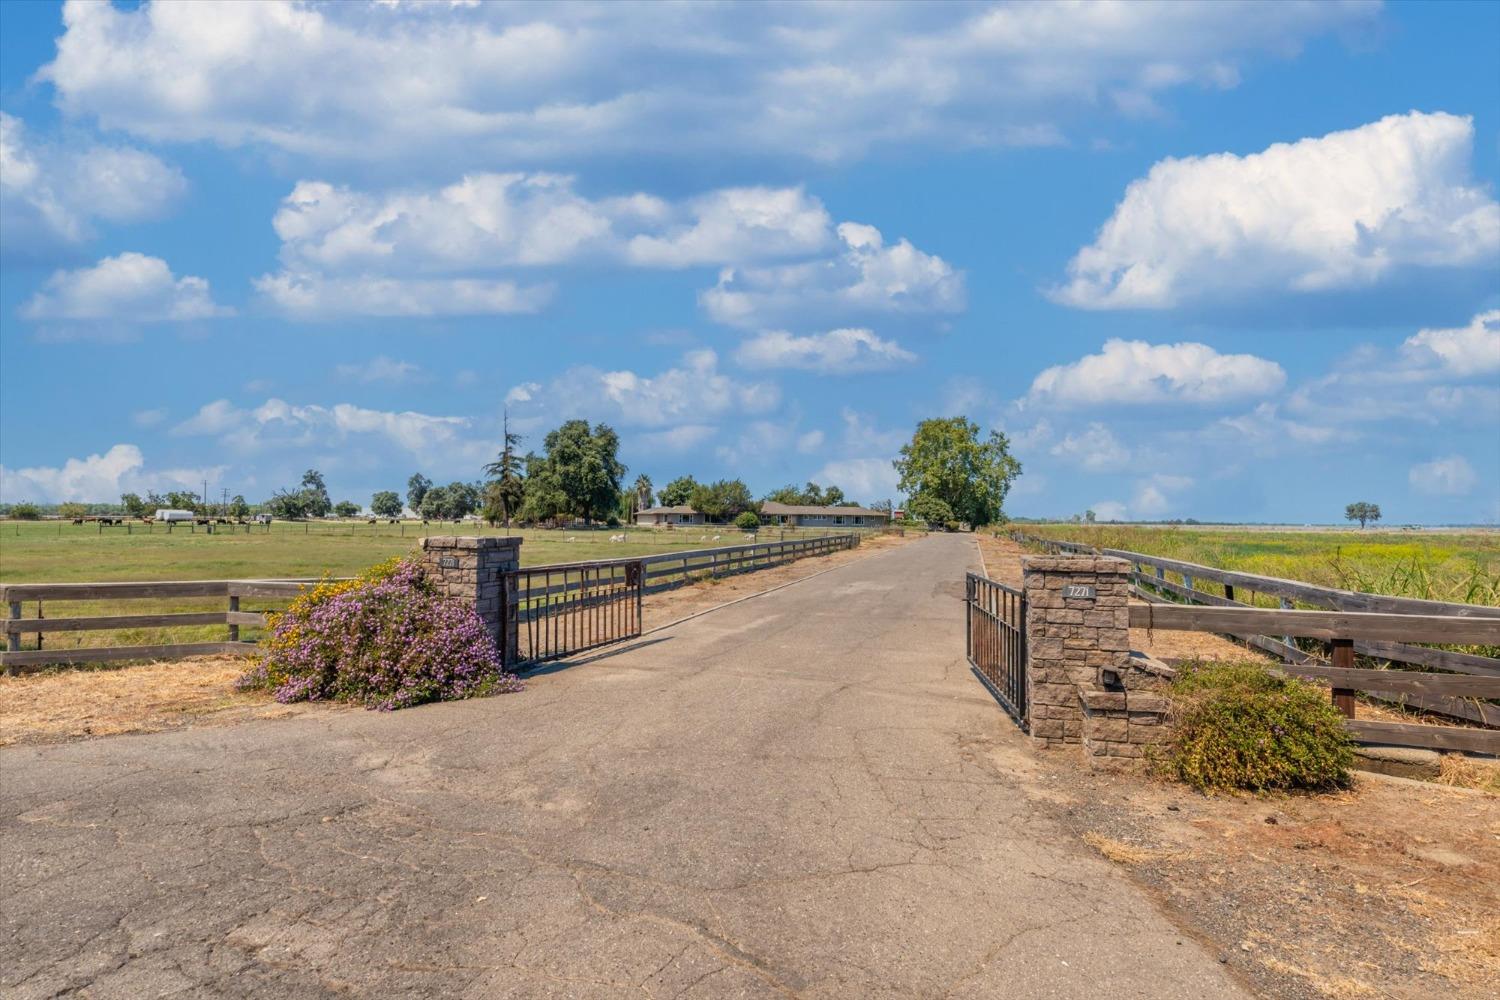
point(386, 640)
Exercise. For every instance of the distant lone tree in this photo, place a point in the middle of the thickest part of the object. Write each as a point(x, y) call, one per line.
point(1363, 512)
point(346, 508)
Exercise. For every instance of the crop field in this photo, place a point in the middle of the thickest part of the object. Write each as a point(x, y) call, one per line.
point(63, 552)
point(1438, 566)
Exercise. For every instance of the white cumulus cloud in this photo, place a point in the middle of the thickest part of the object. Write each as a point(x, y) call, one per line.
point(315, 296)
point(1340, 211)
point(520, 82)
point(836, 352)
point(1462, 351)
point(51, 193)
point(693, 392)
point(737, 224)
point(1094, 449)
point(1135, 372)
point(97, 478)
point(128, 288)
point(866, 278)
point(1448, 476)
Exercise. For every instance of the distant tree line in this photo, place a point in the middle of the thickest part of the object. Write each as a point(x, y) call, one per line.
point(951, 474)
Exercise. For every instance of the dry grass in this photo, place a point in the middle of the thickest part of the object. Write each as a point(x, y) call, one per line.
point(72, 704)
point(1120, 852)
point(1460, 771)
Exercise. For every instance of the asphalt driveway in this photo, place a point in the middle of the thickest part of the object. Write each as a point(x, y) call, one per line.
point(805, 794)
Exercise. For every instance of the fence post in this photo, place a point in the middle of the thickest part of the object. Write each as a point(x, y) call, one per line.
point(13, 639)
point(1343, 658)
point(234, 628)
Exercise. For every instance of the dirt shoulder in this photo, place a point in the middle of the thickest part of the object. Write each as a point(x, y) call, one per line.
point(1391, 889)
point(75, 704)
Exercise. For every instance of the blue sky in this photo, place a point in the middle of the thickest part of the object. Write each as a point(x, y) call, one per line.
point(1219, 261)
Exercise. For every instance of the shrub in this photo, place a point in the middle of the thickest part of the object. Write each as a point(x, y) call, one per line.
point(26, 512)
point(386, 640)
point(612, 521)
point(951, 526)
point(1243, 726)
point(748, 521)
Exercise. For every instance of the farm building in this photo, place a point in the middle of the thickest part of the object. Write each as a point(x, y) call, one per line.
point(662, 516)
point(803, 516)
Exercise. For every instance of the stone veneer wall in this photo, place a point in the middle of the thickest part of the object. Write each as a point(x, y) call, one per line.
point(1070, 642)
point(471, 569)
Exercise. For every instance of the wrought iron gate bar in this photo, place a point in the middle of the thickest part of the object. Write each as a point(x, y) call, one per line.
point(995, 641)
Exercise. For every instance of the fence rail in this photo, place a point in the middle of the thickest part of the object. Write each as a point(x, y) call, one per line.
point(1373, 625)
point(559, 583)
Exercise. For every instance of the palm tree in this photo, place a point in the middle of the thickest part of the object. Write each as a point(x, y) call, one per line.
point(643, 497)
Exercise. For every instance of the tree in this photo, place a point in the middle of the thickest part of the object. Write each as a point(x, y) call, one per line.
point(544, 500)
point(25, 512)
point(748, 521)
point(1363, 512)
point(927, 507)
point(316, 493)
point(506, 490)
point(642, 491)
point(288, 505)
point(721, 501)
point(587, 465)
point(811, 495)
point(71, 510)
point(578, 474)
point(346, 508)
point(179, 500)
point(450, 503)
point(386, 503)
point(416, 488)
point(133, 504)
point(1090, 516)
point(238, 508)
point(677, 492)
point(946, 460)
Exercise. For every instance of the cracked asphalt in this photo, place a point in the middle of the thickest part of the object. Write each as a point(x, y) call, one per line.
point(805, 794)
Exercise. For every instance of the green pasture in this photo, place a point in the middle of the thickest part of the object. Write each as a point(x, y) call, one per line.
point(63, 552)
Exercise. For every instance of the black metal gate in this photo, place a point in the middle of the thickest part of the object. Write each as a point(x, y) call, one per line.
point(558, 611)
point(995, 619)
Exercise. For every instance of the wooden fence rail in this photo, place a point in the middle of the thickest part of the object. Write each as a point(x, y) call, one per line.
point(663, 571)
point(1373, 625)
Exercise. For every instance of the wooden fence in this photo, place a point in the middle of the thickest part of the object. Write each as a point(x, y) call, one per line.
point(1376, 626)
point(669, 569)
point(14, 595)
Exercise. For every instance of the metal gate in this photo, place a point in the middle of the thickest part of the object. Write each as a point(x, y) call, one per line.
point(558, 611)
point(995, 619)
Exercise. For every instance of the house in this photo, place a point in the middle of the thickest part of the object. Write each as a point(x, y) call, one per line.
point(668, 516)
point(803, 516)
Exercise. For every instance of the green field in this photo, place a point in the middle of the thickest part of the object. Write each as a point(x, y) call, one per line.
point(1433, 565)
point(63, 552)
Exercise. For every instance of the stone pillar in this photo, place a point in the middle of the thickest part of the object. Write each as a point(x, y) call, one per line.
point(1077, 627)
point(472, 569)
